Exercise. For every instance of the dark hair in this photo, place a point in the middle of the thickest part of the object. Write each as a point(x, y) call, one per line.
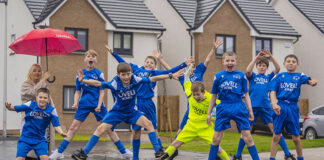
point(43, 90)
point(198, 86)
point(123, 67)
point(151, 57)
point(291, 56)
point(263, 60)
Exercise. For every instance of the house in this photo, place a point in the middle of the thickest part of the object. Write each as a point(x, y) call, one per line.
point(13, 68)
point(306, 16)
point(127, 26)
point(245, 26)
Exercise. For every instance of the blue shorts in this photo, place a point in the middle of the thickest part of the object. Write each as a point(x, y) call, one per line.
point(184, 119)
point(232, 111)
point(264, 113)
point(146, 106)
point(23, 148)
point(82, 113)
point(115, 117)
point(288, 118)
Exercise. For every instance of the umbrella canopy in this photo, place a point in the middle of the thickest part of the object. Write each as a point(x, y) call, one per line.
point(43, 42)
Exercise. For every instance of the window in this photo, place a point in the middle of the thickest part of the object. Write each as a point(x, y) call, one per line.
point(319, 111)
point(68, 97)
point(228, 44)
point(263, 43)
point(123, 43)
point(81, 35)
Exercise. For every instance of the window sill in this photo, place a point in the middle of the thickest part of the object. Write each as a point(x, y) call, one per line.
point(68, 112)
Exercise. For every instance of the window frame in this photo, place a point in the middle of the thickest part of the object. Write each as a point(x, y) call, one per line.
point(224, 43)
point(63, 99)
point(122, 51)
point(76, 36)
point(262, 44)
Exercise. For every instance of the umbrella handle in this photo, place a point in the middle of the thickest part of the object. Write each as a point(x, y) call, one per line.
point(51, 81)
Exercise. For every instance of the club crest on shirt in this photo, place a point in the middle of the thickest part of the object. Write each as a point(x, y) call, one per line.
point(296, 78)
point(237, 76)
point(94, 76)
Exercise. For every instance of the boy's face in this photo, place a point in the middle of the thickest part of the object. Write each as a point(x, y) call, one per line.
point(125, 77)
point(229, 62)
point(37, 74)
point(149, 64)
point(90, 60)
point(198, 95)
point(262, 68)
point(291, 64)
point(42, 99)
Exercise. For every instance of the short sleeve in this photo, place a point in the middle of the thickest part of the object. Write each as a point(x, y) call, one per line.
point(271, 75)
point(304, 78)
point(201, 68)
point(244, 84)
point(55, 120)
point(215, 89)
point(77, 83)
point(101, 79)
point(24, 107)
point(187, 87)
point(274, 83)
point(250, 77)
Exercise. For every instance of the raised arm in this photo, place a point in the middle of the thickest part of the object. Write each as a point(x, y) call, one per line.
point(249, 68)
point(166, 76)
point(211, 106)
point(216, 44)
point(114, 54)
point(175, 69)
point(157, 54)
point(90, 82)
point(187, 73)
point(274, 61)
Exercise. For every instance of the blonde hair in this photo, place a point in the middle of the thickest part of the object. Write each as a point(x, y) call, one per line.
point(30, 72)
point(229, 53)
point(151, 57)
point(91, 52)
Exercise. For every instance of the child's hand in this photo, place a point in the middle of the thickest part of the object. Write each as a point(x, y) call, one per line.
point(208, 119)
point(97, 109)
point(75, 106)
point(46, 76)
point(109, 49)
point(260, 54)
point(267, 54)
point(177, 74)
point(157, 54)
point(189, 60)
point(276, 108)
point(251, 116)
point(63, 134)
point(9, 106)
point(218, 42)
point(312, 82)
point(80, 76)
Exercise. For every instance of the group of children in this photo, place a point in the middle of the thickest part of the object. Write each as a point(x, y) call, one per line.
point(133, 89)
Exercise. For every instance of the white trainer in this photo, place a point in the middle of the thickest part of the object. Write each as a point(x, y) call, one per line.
point(56, 155)
point(127, 155)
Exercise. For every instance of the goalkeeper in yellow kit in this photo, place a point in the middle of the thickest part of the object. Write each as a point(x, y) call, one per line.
point(196, 126)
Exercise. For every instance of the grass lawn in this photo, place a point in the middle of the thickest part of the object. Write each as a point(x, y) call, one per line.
point(230, 142)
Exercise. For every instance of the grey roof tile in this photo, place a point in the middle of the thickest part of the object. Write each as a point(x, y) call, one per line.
point(35, 7)
point(3, 1)
point(259, 14)
point(313, 10)
point(132, 14)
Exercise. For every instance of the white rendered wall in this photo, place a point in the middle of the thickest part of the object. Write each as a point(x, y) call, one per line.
point(143, 45)
point(19, 22)
point(2, 28)
point(309, 50)
point(175, 45)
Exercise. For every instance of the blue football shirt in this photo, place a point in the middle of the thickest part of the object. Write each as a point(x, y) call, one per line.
point(125, 97)
point(287, 85)
point(198, 74)
point(36, 121)
point(89, 94)
point(258, 91)
point(230, 86)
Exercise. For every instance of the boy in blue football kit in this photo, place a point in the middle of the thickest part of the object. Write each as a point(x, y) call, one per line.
point(258, 91)
point(146, 93)
point(124, 88)
point(230, 87)
point(88, 99)
point(284, 94)
point(38, 116)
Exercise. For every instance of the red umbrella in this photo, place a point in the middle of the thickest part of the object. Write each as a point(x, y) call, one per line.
point(44, 42)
